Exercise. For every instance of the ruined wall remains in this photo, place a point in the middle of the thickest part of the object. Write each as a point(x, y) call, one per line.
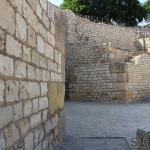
point(31, 75)
point(99, 61)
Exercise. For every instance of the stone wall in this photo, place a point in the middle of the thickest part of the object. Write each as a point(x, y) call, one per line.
point(138, 71)
point(32, 70)
point(99, 61)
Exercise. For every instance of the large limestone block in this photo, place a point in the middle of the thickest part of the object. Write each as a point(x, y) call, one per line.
point(12, 135)
point(5, 119)
point(6, 66)
point(56, 94)
point(21, 28)
point(7, 16)
point(13, 47)
point(143, 136)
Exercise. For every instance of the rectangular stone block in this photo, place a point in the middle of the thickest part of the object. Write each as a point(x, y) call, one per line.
point(18, 111)
point(24, 126)
point(20, 69)
point(44, 89)
point(29, 15)
point(32, 3)
point(12, 91)
point(48, 126)
point(27, 108)
point(43, 103)
point(35, 120)
point(44, 115)
point(40, 45)
point(35, 58)
point(6, 66)
point(38, 74)
point(43, 62)
point(21, 28)
point(5, 119)
point(54, 121)
point(12, 135)
point(56, 92)
point(31, 37)
point(35, 104)
point(31, 72)
point(13, 47)
point(7, 17)
point(45, 20)
point(17, 4)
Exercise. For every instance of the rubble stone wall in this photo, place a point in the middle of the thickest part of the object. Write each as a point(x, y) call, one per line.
point(32, 76)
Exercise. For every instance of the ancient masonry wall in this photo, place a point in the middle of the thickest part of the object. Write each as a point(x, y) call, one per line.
point(99, 62)
point(32, 76)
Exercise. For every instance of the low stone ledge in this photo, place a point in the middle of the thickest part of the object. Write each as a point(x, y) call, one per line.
point(143, 138)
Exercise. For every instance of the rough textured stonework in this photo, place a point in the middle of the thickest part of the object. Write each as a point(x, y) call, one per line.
point(105, 63)
point(31, 67)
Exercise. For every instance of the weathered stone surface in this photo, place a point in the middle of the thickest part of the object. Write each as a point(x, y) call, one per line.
point(21, 28)
point(20, 69)
point(5, 119)
point(143, 135)
point(13, 47)
point(31, 72)
point(35, 104)
point(35, 120)
point(31, 18)
point(24, 126)
point(17, 4)
point(56, 93)
point(32, 3)
point(39, 10)
point(12, 135)
point(7, 17)
point(23, 90)
point(43, 103)
point(40, 45)
point(54, 121)
point(26, 54)
point(44, 115)
point(43, 62)
point(2, 141)
point(29, 142)
point(31, 37)
point(2, 87)
point(38, 74)
point(52, 28)
point(42, 30)
point(46, 20)
point(12, 91)
point(49, 52)
point(44, 89)
point(27, 109)
point(2, 40)
point(48, 126)
point(18, 111)
point(62, 125)
point(44, 4)
point(35, 58)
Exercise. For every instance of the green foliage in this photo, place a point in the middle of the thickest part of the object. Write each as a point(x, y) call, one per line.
point(146, 5)
point(119, 10)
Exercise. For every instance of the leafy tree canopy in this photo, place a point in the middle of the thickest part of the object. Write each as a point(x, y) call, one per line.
point(146, 5)
point(121, 11)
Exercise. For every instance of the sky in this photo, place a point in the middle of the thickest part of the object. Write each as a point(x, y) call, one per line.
point(58, 2)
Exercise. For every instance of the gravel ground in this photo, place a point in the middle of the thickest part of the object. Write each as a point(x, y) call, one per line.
point(86, 119)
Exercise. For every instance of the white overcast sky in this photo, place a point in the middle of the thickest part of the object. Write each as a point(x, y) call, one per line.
point(58, 2)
